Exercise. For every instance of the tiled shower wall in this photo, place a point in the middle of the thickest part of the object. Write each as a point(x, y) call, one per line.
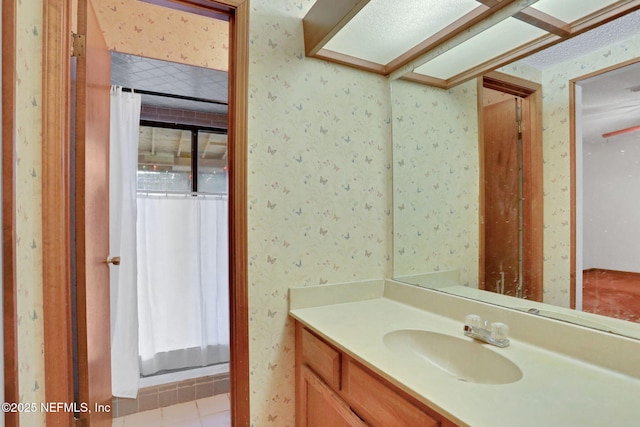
point(164, 395)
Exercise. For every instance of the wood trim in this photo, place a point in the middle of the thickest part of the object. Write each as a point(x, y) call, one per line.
point(325, 19)
point(509, 84)
point(606, 69)
point(481, 192)
point(196, 5)
point(351, 61)
point(56, 207)
point(573, 194)
point(535, 194)
point(9, 302)
point(300, 407)
point(425, 80)
point(543, 21)
point(199, 7)
point(538, 19)
point(238, 244)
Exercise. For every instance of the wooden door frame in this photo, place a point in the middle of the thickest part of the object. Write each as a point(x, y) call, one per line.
point(9, 302)
point(56, 205)
point(534, 221)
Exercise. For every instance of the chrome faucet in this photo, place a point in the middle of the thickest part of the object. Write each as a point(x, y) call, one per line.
point(491, 333)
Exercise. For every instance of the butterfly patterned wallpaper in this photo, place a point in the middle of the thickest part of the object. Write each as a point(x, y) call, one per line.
point(30, 333)
point(435, 180)
point(152, 31)
point(319, 189)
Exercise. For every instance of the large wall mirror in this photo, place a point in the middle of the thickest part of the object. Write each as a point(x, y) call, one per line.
point(590, 86)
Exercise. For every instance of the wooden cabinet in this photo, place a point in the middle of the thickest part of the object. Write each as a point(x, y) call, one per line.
point(377, 403)
point(333, 389)
point(321, 406)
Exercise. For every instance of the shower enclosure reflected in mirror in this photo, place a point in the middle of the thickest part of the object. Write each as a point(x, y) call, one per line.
point(437, 221)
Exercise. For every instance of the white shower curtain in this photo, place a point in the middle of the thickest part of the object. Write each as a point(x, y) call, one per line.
point(125, 120)
point(183, 299)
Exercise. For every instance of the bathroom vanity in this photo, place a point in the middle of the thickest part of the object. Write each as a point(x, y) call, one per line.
point(383, 353)
point(334, 389)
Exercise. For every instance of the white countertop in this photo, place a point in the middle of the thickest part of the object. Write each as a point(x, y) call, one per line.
point(555, 390)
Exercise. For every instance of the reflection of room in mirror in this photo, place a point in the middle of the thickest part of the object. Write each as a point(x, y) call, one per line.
point(436, 165)
point(609, 255)
point(611, 293)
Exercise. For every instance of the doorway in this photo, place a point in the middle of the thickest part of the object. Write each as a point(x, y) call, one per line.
point(57, 204)
point(605, 200)
point(510, 186)
point(169, 224)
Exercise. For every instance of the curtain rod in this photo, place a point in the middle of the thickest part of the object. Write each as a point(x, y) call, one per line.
point(170, 95)
point(166, 194)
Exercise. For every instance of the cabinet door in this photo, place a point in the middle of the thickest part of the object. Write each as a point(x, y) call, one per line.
point(378, 404)
point(321, 406)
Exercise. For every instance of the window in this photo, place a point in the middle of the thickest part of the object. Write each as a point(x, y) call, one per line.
point(182, 158)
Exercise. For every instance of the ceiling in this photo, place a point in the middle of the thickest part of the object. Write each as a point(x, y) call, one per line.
point(607, 34)
point(166, 77)
point(162, 149)
point(443, 43)
point(611, 102)
point(608, 101)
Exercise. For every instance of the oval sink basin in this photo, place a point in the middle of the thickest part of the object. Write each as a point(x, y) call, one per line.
point(466, 360)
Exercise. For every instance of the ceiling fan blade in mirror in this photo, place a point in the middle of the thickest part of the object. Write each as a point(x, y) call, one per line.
point(621, 131)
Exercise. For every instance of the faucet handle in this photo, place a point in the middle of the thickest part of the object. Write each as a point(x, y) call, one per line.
point(499, 331)
point(473, 320)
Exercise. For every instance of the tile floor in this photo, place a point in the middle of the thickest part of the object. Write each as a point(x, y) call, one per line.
point(208, 412)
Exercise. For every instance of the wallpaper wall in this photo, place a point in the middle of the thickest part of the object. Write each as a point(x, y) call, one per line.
point(319, 189)
point(144, 29)
point(611, 201)
point(435, 180)
point(29, 207)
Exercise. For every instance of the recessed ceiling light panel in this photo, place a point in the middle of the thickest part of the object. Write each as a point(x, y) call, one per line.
point(571, 10)
point(383, 29)
point(488, 44)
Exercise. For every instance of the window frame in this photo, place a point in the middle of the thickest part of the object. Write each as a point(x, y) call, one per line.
point(194, 129)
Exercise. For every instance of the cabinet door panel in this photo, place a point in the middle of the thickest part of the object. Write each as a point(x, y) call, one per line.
point(378, 404)
point(322, 406)
point(322, 358)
